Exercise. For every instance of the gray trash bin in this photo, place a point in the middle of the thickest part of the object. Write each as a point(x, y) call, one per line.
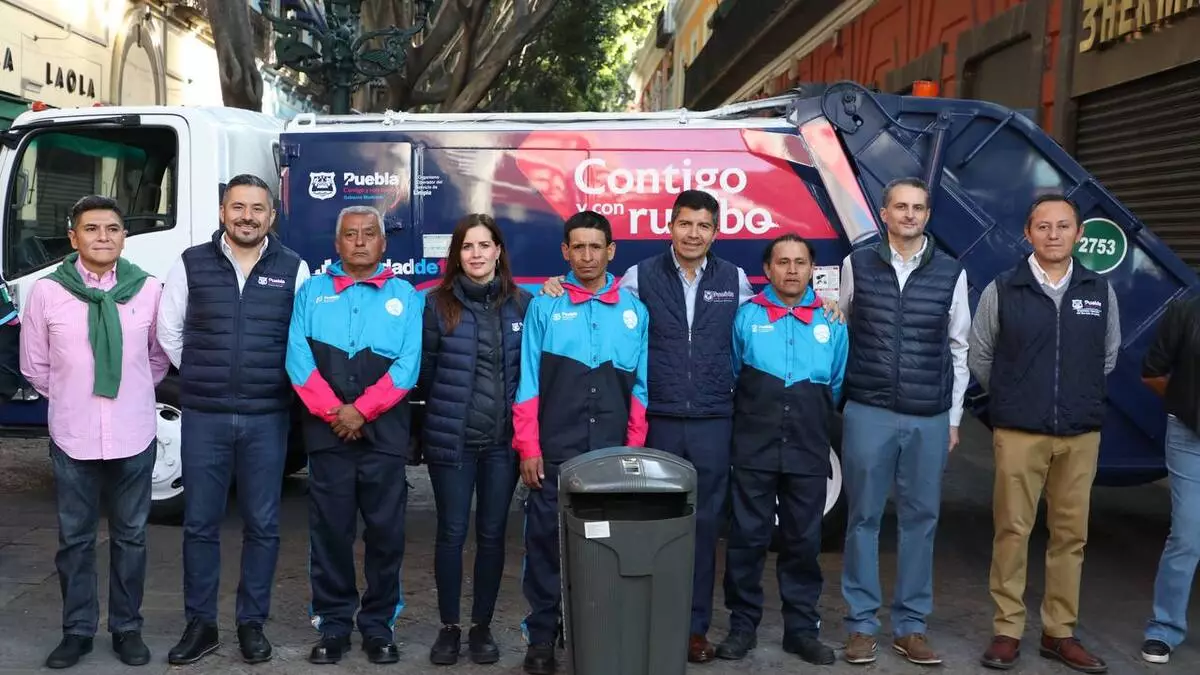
point(627, 527)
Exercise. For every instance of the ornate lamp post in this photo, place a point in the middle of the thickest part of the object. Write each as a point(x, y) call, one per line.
point(344, 62)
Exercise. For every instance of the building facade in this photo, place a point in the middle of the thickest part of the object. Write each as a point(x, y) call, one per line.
point(1116, 82)
point(682, 29)
point(75, 53)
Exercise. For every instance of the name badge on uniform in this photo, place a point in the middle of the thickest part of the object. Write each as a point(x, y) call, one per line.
point(272, 282)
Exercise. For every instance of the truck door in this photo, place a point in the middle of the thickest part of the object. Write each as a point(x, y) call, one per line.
point(325, 173)
point(49, 163)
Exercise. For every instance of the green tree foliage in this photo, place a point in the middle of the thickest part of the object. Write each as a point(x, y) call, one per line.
point(580, 61)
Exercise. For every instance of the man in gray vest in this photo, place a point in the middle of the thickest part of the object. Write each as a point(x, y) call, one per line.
point(223, 321)
point(905, 382)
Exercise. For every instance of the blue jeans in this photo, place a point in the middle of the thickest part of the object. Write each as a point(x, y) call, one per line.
point(216, 448)
point(491, 475)
point(1173, 584)
point(881, 448)
point(125, 486)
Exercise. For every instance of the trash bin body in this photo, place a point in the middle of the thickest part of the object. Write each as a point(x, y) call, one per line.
point(627, 535)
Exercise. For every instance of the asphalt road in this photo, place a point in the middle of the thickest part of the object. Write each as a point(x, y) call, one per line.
point(1128, 528)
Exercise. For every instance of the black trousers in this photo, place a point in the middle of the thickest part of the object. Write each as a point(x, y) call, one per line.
point(801, 506)
point(344, 483)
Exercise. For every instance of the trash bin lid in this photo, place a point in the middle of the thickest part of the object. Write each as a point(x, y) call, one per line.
point(626, 469)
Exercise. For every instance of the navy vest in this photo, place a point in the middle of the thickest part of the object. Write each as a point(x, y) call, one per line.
point(234, 347)
point(690, 373)
point(899, 341)
point(1048, 364)
point(452, 383)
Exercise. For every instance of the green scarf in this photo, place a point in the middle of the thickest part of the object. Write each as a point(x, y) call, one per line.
point(104, 322)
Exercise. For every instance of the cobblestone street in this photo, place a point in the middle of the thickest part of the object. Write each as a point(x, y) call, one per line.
point(1127, 532)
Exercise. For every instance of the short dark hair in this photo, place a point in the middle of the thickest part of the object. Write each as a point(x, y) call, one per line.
point(697, 200)
point(94, 203)
point(769, 251)
point(249, 180)
point(1053, 198)
point(910, 181)
point(588, 219)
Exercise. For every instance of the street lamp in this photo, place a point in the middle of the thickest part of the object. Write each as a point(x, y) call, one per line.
point(344, 62)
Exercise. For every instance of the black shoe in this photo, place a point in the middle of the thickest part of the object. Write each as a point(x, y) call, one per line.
point(1156, 651)
point(255, 646)
point(481, 645)
point(69, 651)
point(330, 649)
point(199, 640)
point(381, 650)
point(736, 645)
point(539, 659)
point(808, 648)
point(130, 648)
point(445, 649)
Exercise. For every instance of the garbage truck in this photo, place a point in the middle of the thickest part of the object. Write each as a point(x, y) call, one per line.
point(813, 162)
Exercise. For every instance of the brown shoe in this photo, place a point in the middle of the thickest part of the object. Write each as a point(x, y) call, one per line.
point(860, 648)
point(1002, 653)
point(700, 650)
point(1070, 652)
point(916, 649)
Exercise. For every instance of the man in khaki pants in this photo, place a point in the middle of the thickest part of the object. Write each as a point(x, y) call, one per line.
point(1044, 338)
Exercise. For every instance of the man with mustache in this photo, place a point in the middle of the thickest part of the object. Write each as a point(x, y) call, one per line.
point(905, 382)
point(224, 322)
point(789, 361)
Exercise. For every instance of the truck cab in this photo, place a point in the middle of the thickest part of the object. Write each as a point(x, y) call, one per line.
point(813, 162)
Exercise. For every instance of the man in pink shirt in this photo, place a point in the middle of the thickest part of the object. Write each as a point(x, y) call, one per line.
point(88, 345)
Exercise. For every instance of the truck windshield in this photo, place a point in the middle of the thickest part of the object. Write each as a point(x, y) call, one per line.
point(136, 167)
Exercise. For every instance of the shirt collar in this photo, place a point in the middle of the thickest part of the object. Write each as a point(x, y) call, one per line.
point(897, 259)
point(90, 278)
point(1042, 278)
point(227, 249)
point(679, 268)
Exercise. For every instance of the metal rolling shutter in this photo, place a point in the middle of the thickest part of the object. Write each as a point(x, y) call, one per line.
point(1142, 141)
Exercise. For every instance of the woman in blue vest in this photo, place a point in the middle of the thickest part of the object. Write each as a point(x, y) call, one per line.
point(471, 357)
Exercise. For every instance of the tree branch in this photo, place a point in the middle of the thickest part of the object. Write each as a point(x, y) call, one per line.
point(512, 40)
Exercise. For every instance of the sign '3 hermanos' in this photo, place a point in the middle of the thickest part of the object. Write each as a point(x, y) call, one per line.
point(1105, 21)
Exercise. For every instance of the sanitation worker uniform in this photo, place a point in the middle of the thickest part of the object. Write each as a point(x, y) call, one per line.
point(356, 343)
point(789, 363)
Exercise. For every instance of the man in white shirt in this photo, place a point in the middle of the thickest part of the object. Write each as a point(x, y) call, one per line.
point(905, 382)
point(223, 322)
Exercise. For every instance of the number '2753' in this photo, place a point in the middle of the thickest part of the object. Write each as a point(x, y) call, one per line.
point(1098, 246)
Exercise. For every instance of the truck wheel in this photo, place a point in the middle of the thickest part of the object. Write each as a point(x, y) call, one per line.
point(166, 492)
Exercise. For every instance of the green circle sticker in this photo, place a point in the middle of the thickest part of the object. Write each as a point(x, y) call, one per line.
point(1103, 245)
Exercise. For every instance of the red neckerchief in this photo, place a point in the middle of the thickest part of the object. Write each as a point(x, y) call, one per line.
point(343, 281)
point(776, 312)
point(580, 295)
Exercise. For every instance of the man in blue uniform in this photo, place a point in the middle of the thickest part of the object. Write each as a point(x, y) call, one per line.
point(582, 388)
point(354, 350)
point(789, 361)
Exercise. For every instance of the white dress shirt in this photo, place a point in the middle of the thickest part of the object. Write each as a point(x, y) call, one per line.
point(959, 328)
point(1044, 279)
point(172, 309)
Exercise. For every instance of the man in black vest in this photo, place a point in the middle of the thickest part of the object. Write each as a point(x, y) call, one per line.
point(1046, 335)
point(223, 322)
point(905, 381)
